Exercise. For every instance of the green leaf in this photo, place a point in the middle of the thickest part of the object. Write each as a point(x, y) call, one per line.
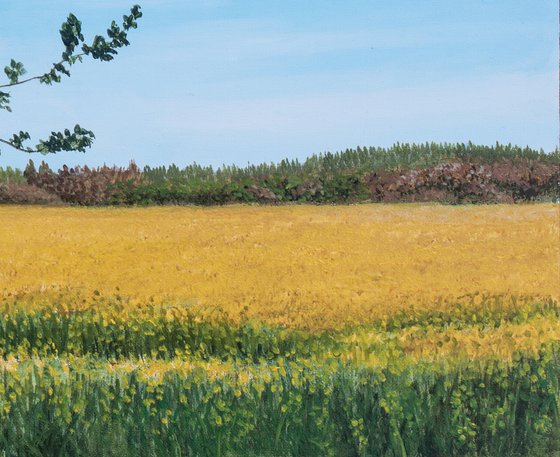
point(14, 71)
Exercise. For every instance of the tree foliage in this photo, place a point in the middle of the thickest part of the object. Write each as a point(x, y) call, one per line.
point(447, 173)
point(102, 48)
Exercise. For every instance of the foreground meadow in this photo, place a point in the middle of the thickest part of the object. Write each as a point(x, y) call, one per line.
point(306, 330)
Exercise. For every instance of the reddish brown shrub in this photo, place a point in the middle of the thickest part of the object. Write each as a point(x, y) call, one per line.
point(24, 194)
point(501, 181)
point(526, 179)
point(262, 194)
point(83, 186)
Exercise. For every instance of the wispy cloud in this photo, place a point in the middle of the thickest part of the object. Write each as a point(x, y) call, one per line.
point(503, 98)
point(246, 39)
point(263, 80)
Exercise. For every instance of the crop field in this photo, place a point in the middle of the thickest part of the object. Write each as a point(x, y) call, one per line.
point(366, 330)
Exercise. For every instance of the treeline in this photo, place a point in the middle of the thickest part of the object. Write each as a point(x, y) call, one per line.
point(448, 173)
point(11, 175)
point(361, 160)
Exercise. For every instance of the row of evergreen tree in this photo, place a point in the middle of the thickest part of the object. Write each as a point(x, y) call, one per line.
point(11, 175)
point(400, 156)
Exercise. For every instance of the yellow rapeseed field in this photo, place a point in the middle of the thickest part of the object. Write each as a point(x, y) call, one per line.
point(311, 266)
point(344, 330)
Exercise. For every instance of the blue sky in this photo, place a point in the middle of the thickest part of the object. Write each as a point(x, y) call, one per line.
point(218, 81)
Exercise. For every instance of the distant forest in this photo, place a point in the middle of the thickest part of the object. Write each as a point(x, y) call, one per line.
point(446, 173)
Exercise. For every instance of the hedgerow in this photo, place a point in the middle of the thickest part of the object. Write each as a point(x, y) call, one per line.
point(447, 173)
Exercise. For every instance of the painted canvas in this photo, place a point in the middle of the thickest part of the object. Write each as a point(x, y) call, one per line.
point(225, 273)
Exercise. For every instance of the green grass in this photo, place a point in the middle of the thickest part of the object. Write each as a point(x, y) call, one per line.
point(101, 380)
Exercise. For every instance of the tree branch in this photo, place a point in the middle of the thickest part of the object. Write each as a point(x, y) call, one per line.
point(29, 150)
point(101, 48)
point(77, 139)
point(21, 82)
point(40, 76)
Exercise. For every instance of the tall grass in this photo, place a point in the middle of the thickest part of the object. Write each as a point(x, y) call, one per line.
point(84, 407)
point(104, 379)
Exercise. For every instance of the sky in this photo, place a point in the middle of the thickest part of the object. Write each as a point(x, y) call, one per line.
point(231, 82)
